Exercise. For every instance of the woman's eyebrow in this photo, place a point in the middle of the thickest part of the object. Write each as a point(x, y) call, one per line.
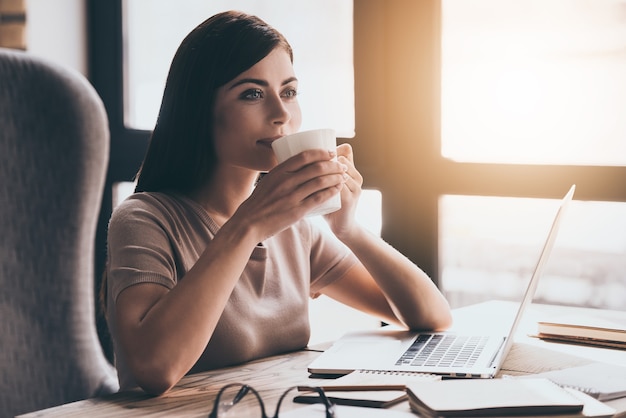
point(260, 82)
point(289, 80)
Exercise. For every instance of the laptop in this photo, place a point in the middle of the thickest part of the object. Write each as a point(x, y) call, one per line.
point(449, 354)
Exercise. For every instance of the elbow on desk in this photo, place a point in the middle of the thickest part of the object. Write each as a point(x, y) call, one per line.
point(439, 321)
point(435, 315)
point(445, 325)
point(156, 386)
point(156, 380)
point(444, 321)
point(156, 369)
point(440, 318)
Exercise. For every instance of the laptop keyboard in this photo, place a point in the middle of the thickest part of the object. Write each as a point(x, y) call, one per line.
point(443, 350)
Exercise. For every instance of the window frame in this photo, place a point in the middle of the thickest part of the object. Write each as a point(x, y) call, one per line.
point(400, 133)
point(127, 146)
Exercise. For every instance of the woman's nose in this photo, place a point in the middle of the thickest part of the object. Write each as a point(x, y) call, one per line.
point(279, 113)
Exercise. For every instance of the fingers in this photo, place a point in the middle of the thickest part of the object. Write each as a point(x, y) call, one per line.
point(304, 158)
point(310, 176)
point(346, 157)
point(314, 168)
point(317, 177)
point(345, 150)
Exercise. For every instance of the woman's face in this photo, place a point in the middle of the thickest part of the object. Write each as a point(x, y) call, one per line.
point(259, 106)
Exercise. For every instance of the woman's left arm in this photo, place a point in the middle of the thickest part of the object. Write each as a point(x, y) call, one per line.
point(385, 283)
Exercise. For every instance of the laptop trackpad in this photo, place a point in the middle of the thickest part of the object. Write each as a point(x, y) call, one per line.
point(366, 350)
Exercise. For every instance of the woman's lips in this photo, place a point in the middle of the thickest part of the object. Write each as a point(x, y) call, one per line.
point(267, 142)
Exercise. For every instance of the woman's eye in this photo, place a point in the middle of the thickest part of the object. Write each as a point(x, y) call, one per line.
point(253, 94)
point(290, 93)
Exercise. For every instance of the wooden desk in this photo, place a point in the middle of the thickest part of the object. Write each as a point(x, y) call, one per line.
point(194, 395)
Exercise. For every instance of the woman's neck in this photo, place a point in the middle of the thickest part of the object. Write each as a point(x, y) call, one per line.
point(225, 192)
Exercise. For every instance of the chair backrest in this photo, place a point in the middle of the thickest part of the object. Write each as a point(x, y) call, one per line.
point(54, 150)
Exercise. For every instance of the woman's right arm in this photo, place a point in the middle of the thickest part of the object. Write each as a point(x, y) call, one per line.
point(163, 332)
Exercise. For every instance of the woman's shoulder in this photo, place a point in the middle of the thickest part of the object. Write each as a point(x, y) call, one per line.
point(169, 212)
point(142, 205)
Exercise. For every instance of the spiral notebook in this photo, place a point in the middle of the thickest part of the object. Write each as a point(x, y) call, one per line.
point(599, 380)
point(368, 388)
point(377, 380)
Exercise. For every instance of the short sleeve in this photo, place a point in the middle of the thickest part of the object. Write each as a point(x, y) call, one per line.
point(139, 248)
point(330, 259)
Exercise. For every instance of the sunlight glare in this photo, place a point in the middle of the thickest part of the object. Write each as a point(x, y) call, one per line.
point(534, 82)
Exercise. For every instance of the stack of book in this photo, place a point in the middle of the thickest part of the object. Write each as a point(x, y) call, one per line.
point(604, 331)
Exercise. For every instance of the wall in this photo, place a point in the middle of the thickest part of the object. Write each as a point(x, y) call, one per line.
point(57, 30)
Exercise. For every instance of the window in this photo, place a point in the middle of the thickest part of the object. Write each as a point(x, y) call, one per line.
point(533, 82)
point(490, 246)
point(320, 32)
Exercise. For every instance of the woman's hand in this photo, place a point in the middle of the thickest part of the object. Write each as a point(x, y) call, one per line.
point(292, 189)
point(343, 221)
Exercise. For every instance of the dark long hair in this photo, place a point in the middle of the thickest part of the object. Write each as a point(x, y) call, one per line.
point(181, 155)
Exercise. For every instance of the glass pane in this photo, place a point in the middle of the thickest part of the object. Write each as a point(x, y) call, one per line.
point(489, 247)
point(320, 32)
point(121, 190)
point(534, 81)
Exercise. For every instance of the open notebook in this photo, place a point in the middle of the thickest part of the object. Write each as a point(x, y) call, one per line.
point(442, 353)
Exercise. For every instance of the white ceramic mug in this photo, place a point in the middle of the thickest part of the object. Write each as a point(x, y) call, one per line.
point(290, 145)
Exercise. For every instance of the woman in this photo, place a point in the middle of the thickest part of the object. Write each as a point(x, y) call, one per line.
point(209, 266)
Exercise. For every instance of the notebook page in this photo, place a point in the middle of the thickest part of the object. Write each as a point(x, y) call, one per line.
point(378, 380)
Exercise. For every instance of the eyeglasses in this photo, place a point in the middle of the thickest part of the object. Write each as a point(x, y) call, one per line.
point(230, 395)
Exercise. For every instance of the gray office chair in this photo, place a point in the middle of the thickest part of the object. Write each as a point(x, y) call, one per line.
point(54, 147)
